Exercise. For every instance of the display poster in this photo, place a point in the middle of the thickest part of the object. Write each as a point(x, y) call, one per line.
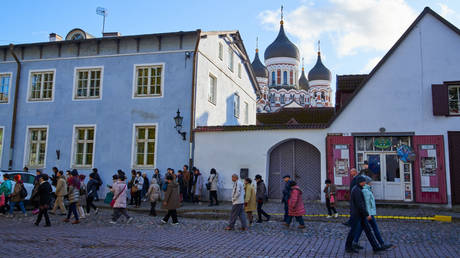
point(341, 167)
point(428, 166)
point(425, 180)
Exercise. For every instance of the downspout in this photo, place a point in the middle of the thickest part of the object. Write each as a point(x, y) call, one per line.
point(15, 106)
point(193, 104)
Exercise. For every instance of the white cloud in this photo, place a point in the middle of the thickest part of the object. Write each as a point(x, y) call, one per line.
point(370, 65)
point(445, 10)
point(351, 25)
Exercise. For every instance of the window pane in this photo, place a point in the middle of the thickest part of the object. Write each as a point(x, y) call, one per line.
point(90, 134)
point(140, 159)
point(80, 148)
point(81, 134)
point(89, 148)
point(141, 133)
point(151, 134)
point(89, 159)
point(151, 147)
point(79, 159)
point(140, 148)
point(150, 158)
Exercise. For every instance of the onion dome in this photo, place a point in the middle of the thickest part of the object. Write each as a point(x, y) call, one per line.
point(259, 69)
point(319, 71)
point(303, 82)
point(282, 47)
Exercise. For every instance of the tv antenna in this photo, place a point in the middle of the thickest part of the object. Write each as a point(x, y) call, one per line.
point(103, 12)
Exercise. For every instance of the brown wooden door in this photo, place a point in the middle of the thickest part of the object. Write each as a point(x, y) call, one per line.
point(454, 163)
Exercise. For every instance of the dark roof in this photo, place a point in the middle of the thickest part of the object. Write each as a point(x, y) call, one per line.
point(257, 127)
point(297, 116)
point(259, 69)
point(426, 10)
point(350, 82)
point(319, 71)
point(303, 81)
point(282, 47)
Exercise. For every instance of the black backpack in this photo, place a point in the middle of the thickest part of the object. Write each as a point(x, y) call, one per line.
point(23, 192)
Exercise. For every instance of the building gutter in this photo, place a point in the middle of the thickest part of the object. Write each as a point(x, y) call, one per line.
point(15, 107)
point(193, 104)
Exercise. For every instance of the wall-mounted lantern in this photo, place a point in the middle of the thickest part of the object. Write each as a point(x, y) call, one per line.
point(178, 120)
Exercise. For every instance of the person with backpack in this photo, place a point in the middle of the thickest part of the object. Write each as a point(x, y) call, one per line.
point(329, 191)
point(295, 205)
point(17, 196)
point(261, 196)
point(44, 196)
point(91, 188)
point(211, 185)
point(96, 177)
point(153, 196)
point(118, 203)
point(5, 190)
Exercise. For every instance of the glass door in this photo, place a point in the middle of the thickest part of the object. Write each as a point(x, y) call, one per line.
point(393, 188)
point(375, 166)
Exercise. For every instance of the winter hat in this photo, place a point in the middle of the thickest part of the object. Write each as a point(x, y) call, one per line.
point(258, 177)
point(286, 176)
point(360, 179)
point(17, 178)
point(74, 172)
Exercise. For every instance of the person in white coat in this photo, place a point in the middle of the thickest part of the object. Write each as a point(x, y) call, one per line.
point(237, 205)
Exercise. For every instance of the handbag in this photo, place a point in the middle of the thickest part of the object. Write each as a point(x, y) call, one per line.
point(332, 199)
point(2, 200)
point(112, 203)
point(208, 186)
point(108, 198)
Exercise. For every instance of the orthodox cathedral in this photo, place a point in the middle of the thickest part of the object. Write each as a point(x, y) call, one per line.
point(279, 81)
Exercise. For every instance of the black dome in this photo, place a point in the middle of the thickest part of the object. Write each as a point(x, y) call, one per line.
point(303, 82)
point(282, 47)
point(259, 69)
point(319, 71)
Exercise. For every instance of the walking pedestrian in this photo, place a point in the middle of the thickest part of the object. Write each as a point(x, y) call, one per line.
point(145, 185)
point(35, 201)
point(261, 196)
point(329, 191)
point(286, 194)
point(212, 182)
point(359, 218)
point(197, 186)
point(187, 185)
point(119, 197)
point(237, 205)
point(153, 195)
point(249, 199)
point(96, 177)
point(73, 183)
point(44, 196)
point(132, 183)
point(61, 192)
point(139, 182)
point(17, 196)
point(55, 176)
point(5, 190)
point(171, 200)
point(91, 187)
point(354, 176)
point(296, 206)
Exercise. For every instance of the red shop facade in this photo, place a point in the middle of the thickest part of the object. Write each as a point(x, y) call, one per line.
point(421, 178)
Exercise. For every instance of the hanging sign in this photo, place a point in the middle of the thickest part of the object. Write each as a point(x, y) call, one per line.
point(382, 143)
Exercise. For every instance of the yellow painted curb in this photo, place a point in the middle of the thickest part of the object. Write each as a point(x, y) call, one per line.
point(435, 218)
point(443, 218)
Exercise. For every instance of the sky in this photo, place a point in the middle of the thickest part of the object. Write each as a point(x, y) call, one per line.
point(354, 34)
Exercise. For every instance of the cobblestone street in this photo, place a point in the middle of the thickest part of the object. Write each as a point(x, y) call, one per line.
point(146, 237)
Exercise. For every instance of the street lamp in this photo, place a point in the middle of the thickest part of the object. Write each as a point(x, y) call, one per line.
point(178, 120)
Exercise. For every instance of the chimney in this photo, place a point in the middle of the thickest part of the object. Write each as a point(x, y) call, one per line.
point(111, 34)
point(55, 37)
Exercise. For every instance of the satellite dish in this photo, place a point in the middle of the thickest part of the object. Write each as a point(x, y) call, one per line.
point(103, 12)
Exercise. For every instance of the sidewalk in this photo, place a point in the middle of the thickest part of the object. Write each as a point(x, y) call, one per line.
point(316, 211)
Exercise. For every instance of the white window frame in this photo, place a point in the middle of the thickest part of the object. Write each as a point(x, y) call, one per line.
point(458, 99)
point(220, 52)
point(134, 145)
point(74, 142)
point(231, 59)
point(29, 88)
point(236, 105)
point(27, 148)
point(246, 112)
point(10, 74)
point(75, 82)
point(212, 99)
point(2, 129)
point(239, 70)
point(163, 68)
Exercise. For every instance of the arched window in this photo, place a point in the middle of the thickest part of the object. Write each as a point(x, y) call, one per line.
point(273, 78)
point(282, 99)
point(285, 78)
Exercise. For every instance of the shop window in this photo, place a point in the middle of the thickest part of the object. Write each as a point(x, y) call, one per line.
point(360, 143)
point(454, 100)
point(369, 141)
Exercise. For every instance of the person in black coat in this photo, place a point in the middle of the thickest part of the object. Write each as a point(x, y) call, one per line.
point(286, 195)
point(359, 217)
point(353, 173)
point(91, 189)
point(44, 197)
point(96, 177)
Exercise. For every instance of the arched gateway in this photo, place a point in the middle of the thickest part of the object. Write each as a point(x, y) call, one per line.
point(302, 162)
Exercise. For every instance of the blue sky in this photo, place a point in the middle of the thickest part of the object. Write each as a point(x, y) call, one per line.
point(354, 34)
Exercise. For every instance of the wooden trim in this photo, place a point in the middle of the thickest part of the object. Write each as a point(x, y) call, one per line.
point(454, 164)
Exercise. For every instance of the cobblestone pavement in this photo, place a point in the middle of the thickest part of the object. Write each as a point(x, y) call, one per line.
point(146, 237)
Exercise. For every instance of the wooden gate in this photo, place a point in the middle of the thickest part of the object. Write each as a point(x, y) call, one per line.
point(454, 163)
point(301, 161)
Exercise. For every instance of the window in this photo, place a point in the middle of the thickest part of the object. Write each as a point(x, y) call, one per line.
point(236, 105)
point(148, 81)
point(454, 100)
point(285, 79)
point(41, 87)
point(84, 147)
point(272, 98)
point(5, 80)
point(221, 51)
point(273, 78)
point(246, 113)
point(239, 70)
point(212, 92)
point(230, 58)
point(302, 99)
point(88, 83)
point(291, 78)
point(278, 77)
point(145, 146)
point(282, 99)
point(36, 147)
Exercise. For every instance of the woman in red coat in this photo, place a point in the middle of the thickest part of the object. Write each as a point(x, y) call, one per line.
point(296, 207)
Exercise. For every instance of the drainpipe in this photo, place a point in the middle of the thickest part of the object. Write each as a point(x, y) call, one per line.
point(193, 104)
point(15, 106)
